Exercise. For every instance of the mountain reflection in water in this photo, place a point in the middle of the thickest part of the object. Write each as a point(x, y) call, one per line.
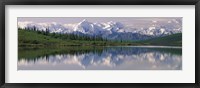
point(101, 58)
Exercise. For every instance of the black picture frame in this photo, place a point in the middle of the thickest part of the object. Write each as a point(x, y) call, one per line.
point(99, 2)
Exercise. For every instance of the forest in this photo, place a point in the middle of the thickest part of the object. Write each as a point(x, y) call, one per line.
point(33, 37)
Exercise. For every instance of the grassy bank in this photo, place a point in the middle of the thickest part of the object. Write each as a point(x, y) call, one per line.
point(28, 38)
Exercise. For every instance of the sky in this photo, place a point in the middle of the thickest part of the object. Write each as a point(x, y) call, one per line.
point(136, 21)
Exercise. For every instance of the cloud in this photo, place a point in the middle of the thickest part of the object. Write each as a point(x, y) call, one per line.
point(24, 24)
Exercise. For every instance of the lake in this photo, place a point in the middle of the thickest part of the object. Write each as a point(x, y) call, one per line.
point(101, 58)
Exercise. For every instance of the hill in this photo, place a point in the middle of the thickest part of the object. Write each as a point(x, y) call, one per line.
point(32, 38)
point(170, 40)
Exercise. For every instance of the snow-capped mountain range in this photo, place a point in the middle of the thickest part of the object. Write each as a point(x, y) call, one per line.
point(109, 30)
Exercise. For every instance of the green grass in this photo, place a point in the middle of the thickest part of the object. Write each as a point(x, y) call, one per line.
point(33, 38)
point(171, 40)
point(27, 38)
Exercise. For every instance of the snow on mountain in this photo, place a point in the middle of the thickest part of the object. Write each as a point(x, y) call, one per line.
point(24, 24)
point(87, 27)
point(111, 30)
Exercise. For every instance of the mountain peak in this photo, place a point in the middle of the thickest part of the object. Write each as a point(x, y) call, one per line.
point(111, 22)
point(84, 20)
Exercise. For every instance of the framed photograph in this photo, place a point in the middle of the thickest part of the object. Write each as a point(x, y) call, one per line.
point(57, 43)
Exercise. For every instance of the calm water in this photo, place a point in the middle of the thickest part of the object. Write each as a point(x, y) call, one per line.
point(101, 58)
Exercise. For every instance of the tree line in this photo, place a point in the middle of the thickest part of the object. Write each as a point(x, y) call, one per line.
point(64, 36)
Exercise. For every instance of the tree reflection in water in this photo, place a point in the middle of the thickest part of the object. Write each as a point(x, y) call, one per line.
point(101, 58)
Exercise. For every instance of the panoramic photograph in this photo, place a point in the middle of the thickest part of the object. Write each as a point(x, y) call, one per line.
point(99, 43)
